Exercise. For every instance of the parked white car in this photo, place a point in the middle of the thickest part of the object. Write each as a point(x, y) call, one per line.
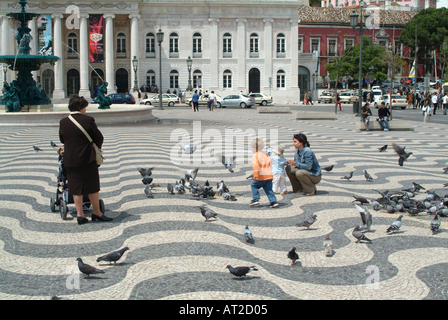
point(397, 101)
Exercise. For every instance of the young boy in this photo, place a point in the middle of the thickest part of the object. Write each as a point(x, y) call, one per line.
point(278, 169)
point(261, 164)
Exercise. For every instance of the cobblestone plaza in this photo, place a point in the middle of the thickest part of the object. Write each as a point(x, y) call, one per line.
point(175, 255)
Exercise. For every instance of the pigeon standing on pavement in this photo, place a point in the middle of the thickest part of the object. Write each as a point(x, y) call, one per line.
point(247, 234)
point(396, 225)
point(37, 149)
point(435, 224)
point(360, 236)
point(228, 196)
point(383, 148)
point(307, 222)
point(148, 192)
point(113, 256)
point(417, 187)
point(367, 176)
point(348, 177)
point(54, 145)
point(241, 271)
point(170, 188)
point(293, 256)
point(445, 170)
point(207, 213)
point(87, 269)
point(366, 218)
point(362, 200)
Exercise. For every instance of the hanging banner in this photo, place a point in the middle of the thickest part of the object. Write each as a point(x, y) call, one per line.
point(45, 36)
point(96, 41)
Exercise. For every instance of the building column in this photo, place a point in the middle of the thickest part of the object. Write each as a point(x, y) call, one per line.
point(109, 54)
point(58, 92)
point(5, 43)
point(268, 54)
point(241, 39)
point(294, 87)
point(134, 45)
point(33, 44)
point(84, 56)
point(214, 55)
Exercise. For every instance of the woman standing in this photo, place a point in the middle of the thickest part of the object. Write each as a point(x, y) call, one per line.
point(304, 171)
point(79, 158)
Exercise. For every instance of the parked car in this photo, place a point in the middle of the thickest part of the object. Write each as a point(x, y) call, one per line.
point(235, 100)
point(377, 95)
point(397, 101)
point(261, 99)
point(386, 83)
point(203, 99)
point(347, 97)
point(117, 98)
point(167, 99)
point(325, 97)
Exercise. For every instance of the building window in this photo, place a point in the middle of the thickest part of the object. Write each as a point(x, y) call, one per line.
point(150, 45)
point(253, 45)
point(227, 45)
point(227, 79)
point(331, 51)
point(398, 48)
point(281, 49)
point(174, 79)
point(280, 79)
point(174, 46)
point(300, 48)
point(150, 78)
point(348, 43)
point(315, 45)
point(72, 43)
point(197, 45)
point(121, 45)
point(197, 79)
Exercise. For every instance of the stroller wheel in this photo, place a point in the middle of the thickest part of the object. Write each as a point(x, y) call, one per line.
point(52, 205)
point(63, 210)
point(102, 207)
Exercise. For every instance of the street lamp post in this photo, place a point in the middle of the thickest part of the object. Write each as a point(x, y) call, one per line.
point(189, 63)
point(354, 24)
point(160, 40)
point(135, 66)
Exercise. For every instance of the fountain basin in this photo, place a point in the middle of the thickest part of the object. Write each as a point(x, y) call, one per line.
point(50, 115)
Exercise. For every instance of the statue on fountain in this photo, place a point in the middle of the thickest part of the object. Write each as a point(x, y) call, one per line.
point(104, 102)
point(11, 97)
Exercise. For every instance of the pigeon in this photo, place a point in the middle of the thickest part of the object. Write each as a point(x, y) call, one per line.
point(445, 170)
point(59, 298)
point(396, 225)
point(228, 162)
point(221, 187)
point(113, 256)
point(443, 212)
point(247, 234)
point(375, 205)
point(366, 218)
point(417, 187)
point(329, 168)
point(359, 235)
point(241, 271)
point(179, 187)
point(413, 211)
point(403, 155)
point(37, 149)
point(251, 176)
point(187, 148)
point(170, 188)
point(348, 177)
point(87, 269)
point(435, 224)
point(146, 173)
point(293, 256)
point(192, 173)
point(362, 200)
point(207, 213)
point(367, 176)
point(228, 196)
point(148, 192)
point(147, 180)
point(308, 222)
point(54, 145)
point(383, 148)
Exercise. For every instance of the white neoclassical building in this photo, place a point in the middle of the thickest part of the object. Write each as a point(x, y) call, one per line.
point(248, 45)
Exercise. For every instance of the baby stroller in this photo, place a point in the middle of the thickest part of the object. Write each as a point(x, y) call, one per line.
point(63, 198)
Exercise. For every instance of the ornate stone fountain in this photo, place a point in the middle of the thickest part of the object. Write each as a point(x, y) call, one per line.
point(24, 90)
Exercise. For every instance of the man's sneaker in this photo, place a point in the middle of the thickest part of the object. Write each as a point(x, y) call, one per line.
point(273, 204)
point(254, 202)
point(386, 129)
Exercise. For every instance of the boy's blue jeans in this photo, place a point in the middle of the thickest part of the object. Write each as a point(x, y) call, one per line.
point(267, 187)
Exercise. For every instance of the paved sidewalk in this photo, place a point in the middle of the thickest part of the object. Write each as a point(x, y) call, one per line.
point(174, 254)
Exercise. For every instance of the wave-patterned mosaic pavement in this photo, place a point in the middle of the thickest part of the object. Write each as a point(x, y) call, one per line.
point(174, 254)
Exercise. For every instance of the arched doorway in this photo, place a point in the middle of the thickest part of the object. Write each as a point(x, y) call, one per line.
point(48, 82)
point(254, 80)
point(304, 81)
point(96, 77)
point(121, 80)
point(72, 82)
